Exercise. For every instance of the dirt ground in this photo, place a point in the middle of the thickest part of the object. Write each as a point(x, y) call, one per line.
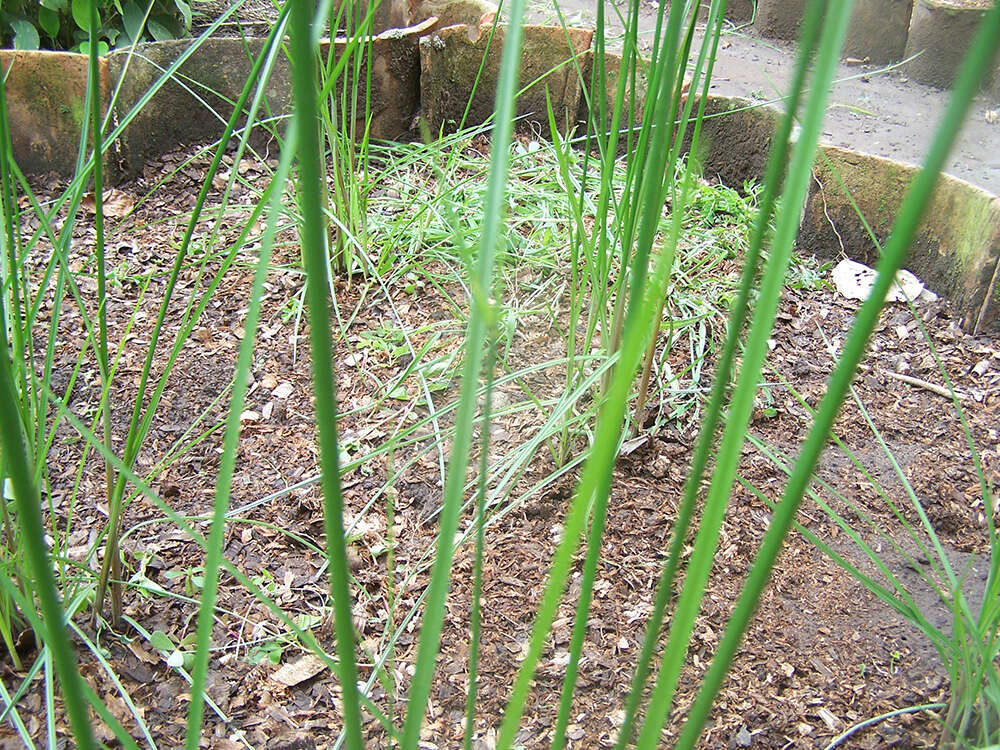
point(821, 655)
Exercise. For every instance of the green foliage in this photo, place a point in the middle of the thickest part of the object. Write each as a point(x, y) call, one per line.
point(65, 24)
point(624, 265)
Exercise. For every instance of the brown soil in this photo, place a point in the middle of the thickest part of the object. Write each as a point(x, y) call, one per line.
point(821, 654)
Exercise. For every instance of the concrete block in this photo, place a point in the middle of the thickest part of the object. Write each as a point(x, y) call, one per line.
point(450, 62)
point(878, 30)
point(779, 19)
point(195, 105)
point(941, 31)
point(46, 98)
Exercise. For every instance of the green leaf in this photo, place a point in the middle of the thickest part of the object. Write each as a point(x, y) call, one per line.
point(307, 621)
point(81, 13)
point(159, 32)
point(48, 19)
point(161, 641)
point(56, 5)
point(132, 18)
point(185, 10)
point(270, 651)
point(102, 48)
point(25, 35)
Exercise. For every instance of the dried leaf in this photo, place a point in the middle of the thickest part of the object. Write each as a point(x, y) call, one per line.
point(142, 654)
point(300, 670)
point(117, 204)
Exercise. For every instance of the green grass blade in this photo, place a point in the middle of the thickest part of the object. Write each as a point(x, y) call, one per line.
point(983, 50)
point(475, 625)
point(101, 348)
point(653, 180)
point(700, 562)
point(481, 286)
point(713, 412)
point(313, 239)
point(140, 420)
point(10, 262)
point(596, 531)
point(227, 463)
point(19, 467)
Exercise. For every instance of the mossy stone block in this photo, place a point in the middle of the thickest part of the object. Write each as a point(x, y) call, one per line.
point(194, 105)
point(46, 102)
point(957, 246)
point(450, 62)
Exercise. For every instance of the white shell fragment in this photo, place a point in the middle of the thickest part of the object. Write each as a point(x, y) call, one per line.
point(855, 281)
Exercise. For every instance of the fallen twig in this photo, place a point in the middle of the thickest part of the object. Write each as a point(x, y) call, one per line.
point(927, 385)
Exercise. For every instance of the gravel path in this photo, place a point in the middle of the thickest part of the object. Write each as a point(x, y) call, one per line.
point(881, 113)
point(871, 109)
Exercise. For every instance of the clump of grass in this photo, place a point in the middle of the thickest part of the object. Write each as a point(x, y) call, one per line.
point(654, 255)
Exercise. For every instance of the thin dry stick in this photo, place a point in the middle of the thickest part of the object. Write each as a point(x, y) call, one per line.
point(826, 213)
point(990, 291)
point(926, 385)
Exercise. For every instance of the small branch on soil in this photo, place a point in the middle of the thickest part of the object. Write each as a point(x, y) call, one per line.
point(876, 719)
point(926, 385)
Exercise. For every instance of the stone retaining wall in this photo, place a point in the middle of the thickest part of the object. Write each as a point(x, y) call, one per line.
point(957, 251)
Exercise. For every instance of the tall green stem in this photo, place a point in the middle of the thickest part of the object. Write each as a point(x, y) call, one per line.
point(702, 557)
point(314, 256)
point(481, 284)
point(713, 412)
point(18, 466)
point(918, 198)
